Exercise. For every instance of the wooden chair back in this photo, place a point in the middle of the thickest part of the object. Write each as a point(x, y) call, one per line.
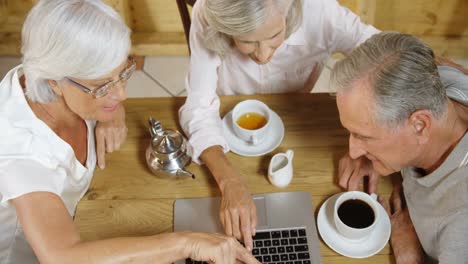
point(185, 17)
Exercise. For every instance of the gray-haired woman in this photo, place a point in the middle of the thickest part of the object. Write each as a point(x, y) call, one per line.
point(248, 47)
point(74, 73)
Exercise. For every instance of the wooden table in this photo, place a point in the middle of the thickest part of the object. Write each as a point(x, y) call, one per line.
point(125, 199)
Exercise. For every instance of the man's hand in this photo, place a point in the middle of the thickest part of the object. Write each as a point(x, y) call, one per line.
point(404, 240)
point(238, 213)
point(352, 171)
point(110, 136)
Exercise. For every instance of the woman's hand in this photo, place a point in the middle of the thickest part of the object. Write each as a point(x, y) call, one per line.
point(110, 136)
point(352, 171)
point(215, 248)
point(55, 238)
point(238, 212)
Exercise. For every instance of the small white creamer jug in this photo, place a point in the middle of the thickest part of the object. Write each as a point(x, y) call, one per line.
point(280, 170)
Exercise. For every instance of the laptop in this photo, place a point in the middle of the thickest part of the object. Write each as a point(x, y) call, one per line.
point(286, 231)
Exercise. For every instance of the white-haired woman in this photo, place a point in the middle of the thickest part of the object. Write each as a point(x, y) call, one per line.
point(74, 73)
point(249, 47)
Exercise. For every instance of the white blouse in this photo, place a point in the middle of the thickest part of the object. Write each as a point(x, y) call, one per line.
point(327, 28)
point(33, 158)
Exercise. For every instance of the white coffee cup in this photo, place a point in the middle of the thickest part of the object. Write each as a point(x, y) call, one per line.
point(280, 170)
point(346, 226)
point(251, 136)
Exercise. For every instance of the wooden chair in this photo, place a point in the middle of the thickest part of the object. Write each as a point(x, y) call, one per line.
point(185, 16)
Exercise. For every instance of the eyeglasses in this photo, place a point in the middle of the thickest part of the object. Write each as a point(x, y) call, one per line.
point(104, 89)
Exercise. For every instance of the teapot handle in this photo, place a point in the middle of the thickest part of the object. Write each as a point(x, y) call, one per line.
point(155, 127)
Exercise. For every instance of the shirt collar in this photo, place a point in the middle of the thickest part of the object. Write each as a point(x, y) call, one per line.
point(297, 38)
point(456, 159)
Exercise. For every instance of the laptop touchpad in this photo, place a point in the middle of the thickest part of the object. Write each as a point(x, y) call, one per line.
point(261, 212)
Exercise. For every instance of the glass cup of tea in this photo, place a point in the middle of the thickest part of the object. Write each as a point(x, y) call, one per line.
point(356, 214)
point(251, 121)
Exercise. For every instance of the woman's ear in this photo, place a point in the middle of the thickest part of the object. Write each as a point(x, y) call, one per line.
point(55, 87)
point(421, 124)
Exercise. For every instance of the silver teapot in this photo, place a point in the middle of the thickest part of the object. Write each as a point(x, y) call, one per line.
point(166, 155)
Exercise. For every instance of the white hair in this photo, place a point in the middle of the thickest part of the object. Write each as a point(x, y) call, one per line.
point(403, 75)
point(225, 19)
point(83, 39)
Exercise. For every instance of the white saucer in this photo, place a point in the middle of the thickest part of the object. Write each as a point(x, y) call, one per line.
point(346, 247)
point(243, 148)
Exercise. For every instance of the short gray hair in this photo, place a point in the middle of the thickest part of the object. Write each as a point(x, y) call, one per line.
point(230, 18)
point(83, 39)
point(402, 72)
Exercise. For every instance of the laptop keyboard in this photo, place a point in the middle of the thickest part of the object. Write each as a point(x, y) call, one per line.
point(282, 246)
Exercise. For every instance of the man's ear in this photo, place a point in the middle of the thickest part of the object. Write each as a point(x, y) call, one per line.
point(55, 86)
point(421, 125)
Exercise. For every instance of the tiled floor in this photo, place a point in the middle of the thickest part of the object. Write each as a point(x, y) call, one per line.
point(165, 76)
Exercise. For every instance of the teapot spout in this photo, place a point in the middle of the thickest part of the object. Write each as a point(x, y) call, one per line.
point(184, 173)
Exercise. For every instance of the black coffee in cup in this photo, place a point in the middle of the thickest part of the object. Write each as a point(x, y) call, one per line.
point(356, 213)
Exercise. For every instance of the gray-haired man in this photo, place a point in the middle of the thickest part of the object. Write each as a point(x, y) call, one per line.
point(402, 116)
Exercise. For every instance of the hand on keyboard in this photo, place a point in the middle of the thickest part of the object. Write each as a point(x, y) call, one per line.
point(238, 213)
point(214, 248)
point(282, 246)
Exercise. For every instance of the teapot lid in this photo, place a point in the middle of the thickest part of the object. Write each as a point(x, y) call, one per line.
point(170, 141)
point(164, 141)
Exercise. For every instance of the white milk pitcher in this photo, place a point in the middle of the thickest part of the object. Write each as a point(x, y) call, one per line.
point(280, 170)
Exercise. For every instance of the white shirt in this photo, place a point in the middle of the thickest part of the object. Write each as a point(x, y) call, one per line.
point(33, 158)
point(327, 28)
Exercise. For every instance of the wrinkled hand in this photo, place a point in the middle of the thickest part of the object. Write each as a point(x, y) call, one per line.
point(404, 240)
point(352, 171)
point(215, 248)
point(110, 136)
point(442, 61)
point(238, 213)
